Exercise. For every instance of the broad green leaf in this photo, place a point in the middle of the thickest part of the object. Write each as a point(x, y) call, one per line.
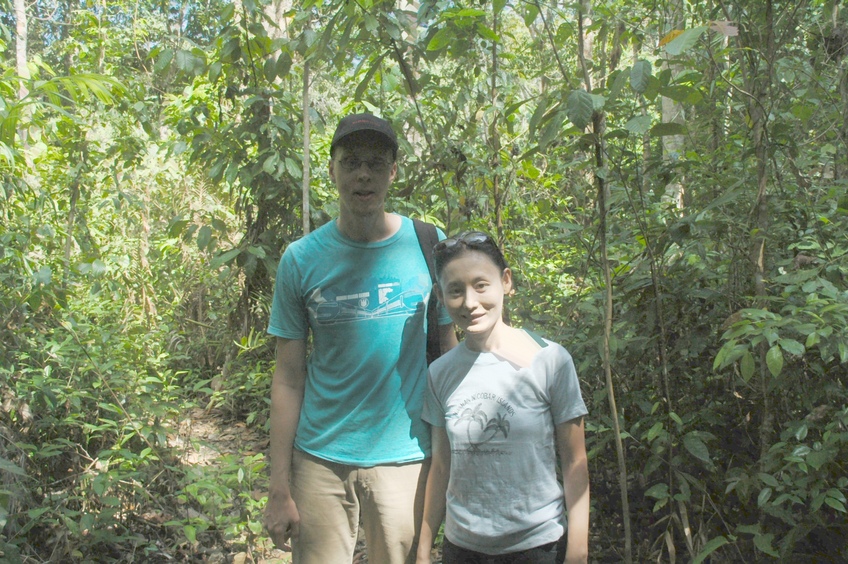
point(818, 458)
point(681, 93)
point(617, 85)
point(270, 164)
point(163, 60)
point(768, 479)
point(487, 33)
point(791, 346)
point(747, 365)
point(469, 13)
point(638, 125)
point(684, 41)
point(709, 548)
point(440, 40)
point(639, 75)
point(579, 108)
point(765, 495)
point(835, 503)
point(664, 129)
point(654, 432)
point(774, 360)
point(531, 12)
point(657, 491)
point(204, 236)
point(224, 258)
point(11, 467)
point(190, 533)
point(43, 276)
point(763, 543)
point(696, 447)
point(284, 63)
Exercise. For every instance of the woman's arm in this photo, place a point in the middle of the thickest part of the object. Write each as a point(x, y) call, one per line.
point(434, 497)
point(571, 444)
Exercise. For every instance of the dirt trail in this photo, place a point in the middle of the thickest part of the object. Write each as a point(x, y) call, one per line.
point(203, 437)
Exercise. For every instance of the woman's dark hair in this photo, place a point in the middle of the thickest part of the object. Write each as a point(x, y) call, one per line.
point(448, 249)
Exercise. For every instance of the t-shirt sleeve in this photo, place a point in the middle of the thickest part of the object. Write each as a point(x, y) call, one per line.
point(288, 312)
point(433, 411)
point(564, 388)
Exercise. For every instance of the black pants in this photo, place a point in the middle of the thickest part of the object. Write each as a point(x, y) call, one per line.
point(551, 553)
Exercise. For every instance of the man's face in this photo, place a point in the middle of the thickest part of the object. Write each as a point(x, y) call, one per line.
point(362, 170)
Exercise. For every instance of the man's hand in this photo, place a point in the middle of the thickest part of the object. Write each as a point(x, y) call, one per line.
point(281, 520)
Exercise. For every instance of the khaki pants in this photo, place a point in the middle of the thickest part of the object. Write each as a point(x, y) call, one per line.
point(331, 499)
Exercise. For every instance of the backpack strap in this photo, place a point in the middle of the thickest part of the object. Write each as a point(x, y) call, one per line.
point(427, 238)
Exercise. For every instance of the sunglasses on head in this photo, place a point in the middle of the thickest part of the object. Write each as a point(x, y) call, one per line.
point(469, 239)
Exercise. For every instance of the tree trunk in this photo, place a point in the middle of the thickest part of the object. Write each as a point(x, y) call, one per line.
point(306, 161)
point(598, 131)
point(673, 112)
point(496, 141)
point(21, 47)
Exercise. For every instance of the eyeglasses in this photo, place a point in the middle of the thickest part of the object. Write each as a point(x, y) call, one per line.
point(469, 239)
point(351, 164)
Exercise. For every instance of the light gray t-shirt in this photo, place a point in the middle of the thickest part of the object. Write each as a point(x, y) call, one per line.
point(503, 494)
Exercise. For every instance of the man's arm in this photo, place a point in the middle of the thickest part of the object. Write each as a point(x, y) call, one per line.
point(281, 516)
point(434, 497)
point(571, 444)
point(447, 337)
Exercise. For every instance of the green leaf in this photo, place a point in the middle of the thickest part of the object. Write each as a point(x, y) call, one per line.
point(835, 503)
point(665, 129)
point(774, 360)
point(768, 479)
point(792, 346)
point(204, 236)
point(44, 276)
point(818, 458)
point(163, 60)
point(696, 447)
point(655, 431)
point(681, 93)
point(270, 164)
point(579, 108)
point(224, 258)
point(713, 545)
point(487, 33)
point(747, 365)
point(638, 125)
point(765, 495)
point(440, 40)
point(763, 543)
point(684, 41)
point(284, 63)
point(639, 75)
point(658, 491)
point(11, 467)
point(190, 533)
point(531, 12)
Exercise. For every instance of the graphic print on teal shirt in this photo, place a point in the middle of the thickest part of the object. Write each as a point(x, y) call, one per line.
point(376, 299)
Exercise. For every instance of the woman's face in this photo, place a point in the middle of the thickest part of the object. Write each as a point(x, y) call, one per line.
point(472, 288)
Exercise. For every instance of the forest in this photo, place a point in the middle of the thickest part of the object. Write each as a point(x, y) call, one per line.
point(667, 179)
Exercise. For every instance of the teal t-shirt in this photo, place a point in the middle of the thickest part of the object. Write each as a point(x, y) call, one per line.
point(364, 304)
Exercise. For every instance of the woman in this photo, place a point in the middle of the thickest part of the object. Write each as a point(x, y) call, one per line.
point(501, 405)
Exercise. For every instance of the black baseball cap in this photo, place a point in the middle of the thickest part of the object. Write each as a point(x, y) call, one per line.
point(364, 122)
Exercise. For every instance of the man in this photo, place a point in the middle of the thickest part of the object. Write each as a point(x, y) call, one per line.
point(347, 441)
